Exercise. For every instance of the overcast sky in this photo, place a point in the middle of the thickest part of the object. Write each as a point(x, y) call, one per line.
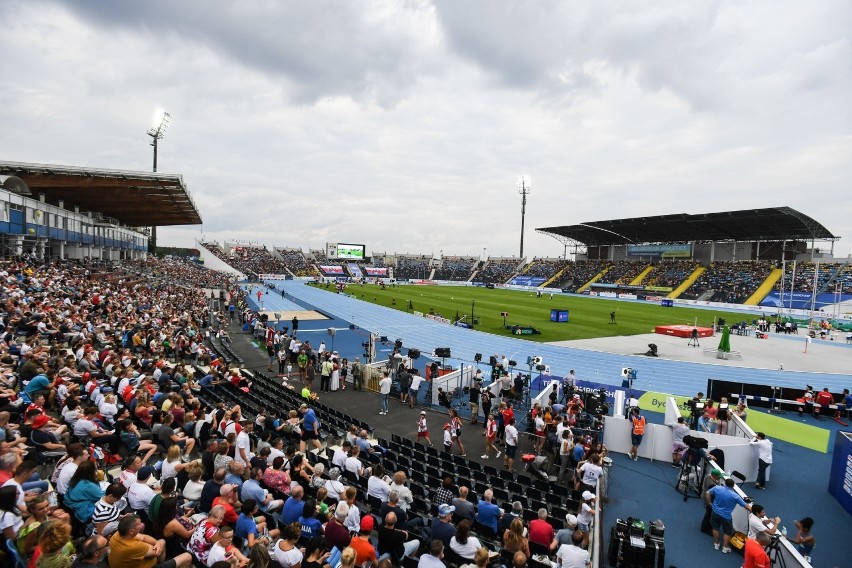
point(404, 125)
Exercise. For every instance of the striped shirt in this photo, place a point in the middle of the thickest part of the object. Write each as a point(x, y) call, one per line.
point(106, 513)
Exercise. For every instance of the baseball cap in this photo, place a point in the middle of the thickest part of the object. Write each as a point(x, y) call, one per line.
point(446, 426)
point(588, 495)
point(717, 473)
point(446, 509)
point(422, 412)
point(40, 421)
point(367, 523)
point(571, 520)
point(303, 407)
point(144, 473)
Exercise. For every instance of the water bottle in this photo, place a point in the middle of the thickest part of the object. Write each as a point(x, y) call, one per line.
point(784, 531)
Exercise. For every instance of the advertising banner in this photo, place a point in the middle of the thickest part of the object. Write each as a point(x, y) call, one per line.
point(533, 281)
point(373, 271)
point(802, 300)
point(662, 251)
point(332, 270)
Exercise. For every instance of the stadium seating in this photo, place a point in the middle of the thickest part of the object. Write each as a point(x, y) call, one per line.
point(731, 282)
point(455, 268)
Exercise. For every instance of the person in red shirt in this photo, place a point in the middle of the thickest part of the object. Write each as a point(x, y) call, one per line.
point(365, 552)
point(754, 553)
point(823, 400)
point(541, 532)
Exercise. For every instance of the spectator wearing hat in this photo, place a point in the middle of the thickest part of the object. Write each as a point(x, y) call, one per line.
point(140, 494)
point(442, 527)
point(43, 439)
point(365, 553)
point(587, 512)
point(563, 536)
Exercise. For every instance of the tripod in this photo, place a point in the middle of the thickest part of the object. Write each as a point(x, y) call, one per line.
point(693, 341)
point(691, 475)
point(774, 552)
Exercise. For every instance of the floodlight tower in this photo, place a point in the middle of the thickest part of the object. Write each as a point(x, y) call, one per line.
point(524, 187)
point(161, 123)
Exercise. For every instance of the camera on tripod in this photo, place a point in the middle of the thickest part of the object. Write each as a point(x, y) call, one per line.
point(696, 407)
point(696, 443)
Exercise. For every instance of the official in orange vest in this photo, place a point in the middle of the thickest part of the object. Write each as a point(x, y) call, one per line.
point(637, 432)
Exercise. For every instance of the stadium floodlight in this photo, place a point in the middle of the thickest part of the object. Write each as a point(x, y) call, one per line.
point(524, 187)
point(161, 123)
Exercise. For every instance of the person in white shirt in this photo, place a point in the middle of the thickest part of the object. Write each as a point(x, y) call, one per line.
point(333, 485)
point(764, 459)
point(340, 455)
point(414, 388)
point(377, 486)
point(78, 454)
point(758, 522)
point(511, 443)
point(140, 495)
point(405, 496)
point(242, 453)
point(384, 391)
point(353, 464)
point(572, 555)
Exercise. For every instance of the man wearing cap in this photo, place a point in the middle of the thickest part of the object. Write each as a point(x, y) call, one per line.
point(710, 481)
point(139, 494)
point(563, 536)
point(724, 500)
point(442, 527)
point(43, 439)
point(310, 428)
point(587, 512)
point(364, 550)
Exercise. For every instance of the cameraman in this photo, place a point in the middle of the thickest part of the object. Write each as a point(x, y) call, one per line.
point(694, 411)
point(679, 430)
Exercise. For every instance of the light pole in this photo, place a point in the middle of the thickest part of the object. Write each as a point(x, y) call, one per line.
point(472, 305)
point(161, 123)
point(524, 188)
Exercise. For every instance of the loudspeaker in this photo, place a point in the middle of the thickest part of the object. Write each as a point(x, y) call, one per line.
point(414, 353)
point(477, 357)
point(332, 331)
point(442, 352)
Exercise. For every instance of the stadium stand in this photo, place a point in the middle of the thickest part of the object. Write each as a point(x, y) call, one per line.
point(844, 278)
point(731, 282)
point(669, 273)
point(806, 271)
point(576, 274)
point(497, 270)
point(543, 267)
point(249, 259)
point(623, 272)
point(456, 268)
point(167, 379)
point(411, 267)
point(296, 262)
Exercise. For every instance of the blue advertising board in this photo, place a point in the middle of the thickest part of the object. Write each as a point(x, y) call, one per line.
point(802, 300)
point(558, 315)
point(840, 476)
point(534, 281)
point(664, 251)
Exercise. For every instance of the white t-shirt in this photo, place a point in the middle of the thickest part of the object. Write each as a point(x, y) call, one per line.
point(217, 553)
point(287, 558)
point(385, 385)
point(83, 427)
point(591, 473)
point(586, 513)
point(339, 458)
point(244, 443)
point(511, 435)
point(139, 496)
point(168, 469)
point(378, 487)
point(65, 475)
point(571, 556)
point(353, 465)
point(755, 525)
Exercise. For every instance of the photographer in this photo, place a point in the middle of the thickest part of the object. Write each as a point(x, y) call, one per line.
point(695, 410)
point(679, 430)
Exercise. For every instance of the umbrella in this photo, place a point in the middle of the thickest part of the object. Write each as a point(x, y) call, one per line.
point(725, 342)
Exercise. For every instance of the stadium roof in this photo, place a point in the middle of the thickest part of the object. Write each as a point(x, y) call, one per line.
point(137, 199)
point(748, 225)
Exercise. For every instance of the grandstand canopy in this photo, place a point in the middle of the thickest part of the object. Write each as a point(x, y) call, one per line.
point(748, 225)
point(137, 199)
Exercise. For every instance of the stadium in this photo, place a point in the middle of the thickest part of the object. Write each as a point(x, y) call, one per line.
point(740, 305)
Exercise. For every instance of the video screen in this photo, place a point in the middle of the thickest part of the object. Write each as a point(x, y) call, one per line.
point(350, 252)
